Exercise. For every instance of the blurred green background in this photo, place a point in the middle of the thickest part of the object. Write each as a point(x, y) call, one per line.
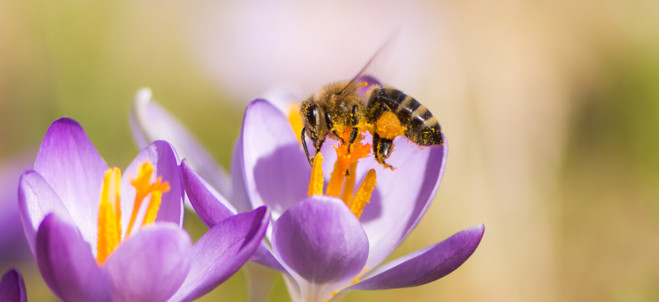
point(551, 111)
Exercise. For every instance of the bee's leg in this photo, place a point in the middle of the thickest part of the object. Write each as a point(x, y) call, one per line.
point(382, 149)
point(304, 144)
point(353, 123)
point(330, 125)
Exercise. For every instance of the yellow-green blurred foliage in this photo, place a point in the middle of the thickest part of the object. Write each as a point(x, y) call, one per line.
point(551, 111)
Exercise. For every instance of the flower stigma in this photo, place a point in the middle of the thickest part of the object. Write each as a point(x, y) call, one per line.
point(342, 179)
point(109, 214)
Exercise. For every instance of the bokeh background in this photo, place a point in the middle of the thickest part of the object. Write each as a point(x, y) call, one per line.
point(551, 110)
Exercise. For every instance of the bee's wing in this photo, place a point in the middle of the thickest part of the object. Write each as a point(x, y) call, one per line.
point(369, 64)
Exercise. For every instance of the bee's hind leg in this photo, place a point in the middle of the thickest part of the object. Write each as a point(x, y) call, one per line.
point(382, 150)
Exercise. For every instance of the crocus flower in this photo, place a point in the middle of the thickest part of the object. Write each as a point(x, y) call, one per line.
point(329, 242)
point(12, 287)
point(101, 236)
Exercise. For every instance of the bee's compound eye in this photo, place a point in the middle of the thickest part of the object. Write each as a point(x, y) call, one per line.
point(312, 115)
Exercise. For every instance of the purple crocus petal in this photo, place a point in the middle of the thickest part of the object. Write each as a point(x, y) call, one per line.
point(264, 256)
point(321, 240)
point(151, 264)
point(401, 197)
point(12, 287)
point(273, 175)
point(433, 176)
point(163, 158)
point(35, 200)
point(212, 208)
point(370, 81)
point(426, 265)
point(151, 122)
point(239, 197)
point(66, 263)
point(222, 251)
point(208, 203)
point(68, 161)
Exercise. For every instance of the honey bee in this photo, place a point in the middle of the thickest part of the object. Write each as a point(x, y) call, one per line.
point(386, 112)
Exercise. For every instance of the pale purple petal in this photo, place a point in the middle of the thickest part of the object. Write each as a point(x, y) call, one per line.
point(151, 122)
point(36, 199)
point(66, 263)
point(402, 196)
point(321, 240)
point(276, 171)
point(433, 176)
point(239, 197)
point(264, 256)
point(12, 287)
point(163, 158)
point(426, 265)
point(212, 208)
point(150, 265)
point(68, 161)
point(208, 203)
point(222, 251)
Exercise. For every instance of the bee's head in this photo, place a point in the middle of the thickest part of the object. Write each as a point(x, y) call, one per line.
point(312, 114)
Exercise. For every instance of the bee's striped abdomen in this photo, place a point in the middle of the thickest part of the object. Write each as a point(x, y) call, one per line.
point(422, 127)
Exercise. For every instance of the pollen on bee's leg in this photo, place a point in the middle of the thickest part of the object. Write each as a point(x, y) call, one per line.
point(316, 179)
point(363, 195)
point(109, 215)
point(388, 126)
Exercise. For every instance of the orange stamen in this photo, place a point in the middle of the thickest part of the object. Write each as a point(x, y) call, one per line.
point(341, 184)
point(349, 184)
point(363, 195)
point(109, 213)
point(316, 179)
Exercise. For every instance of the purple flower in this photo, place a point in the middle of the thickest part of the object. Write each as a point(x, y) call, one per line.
point(12, 287)
point(322, 246)
point(98, 236)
